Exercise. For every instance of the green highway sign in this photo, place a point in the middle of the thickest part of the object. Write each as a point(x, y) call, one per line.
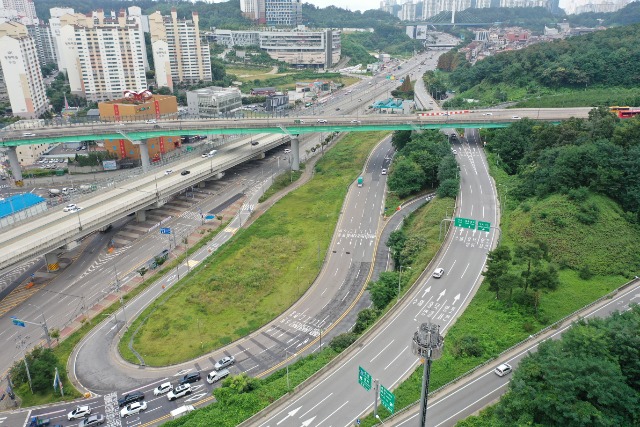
point(387, 399)
point(484, 226)
point(364, 378)
point(465, 223)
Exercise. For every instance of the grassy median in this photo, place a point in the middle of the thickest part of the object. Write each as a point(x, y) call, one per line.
point(259, 273)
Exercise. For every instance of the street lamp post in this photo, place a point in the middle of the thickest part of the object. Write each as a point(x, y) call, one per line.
point(287, 352)
point(21, 345)
point(399, 279)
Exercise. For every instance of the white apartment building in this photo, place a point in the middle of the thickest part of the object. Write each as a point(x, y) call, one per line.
point(408, 11)
point(179, 53)
point(54, 24)
point(307, 48)
point(21, 71)
point(45, 43)
point(103, 55)
point(24, 8)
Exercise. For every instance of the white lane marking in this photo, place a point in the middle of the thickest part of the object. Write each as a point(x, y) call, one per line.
point(465, 270)
point(331, 414)
point(396, 358)
point(316, 405)
point(374, 357)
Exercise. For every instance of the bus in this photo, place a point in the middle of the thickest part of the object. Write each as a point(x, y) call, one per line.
point(627, 114)
point(615, 109)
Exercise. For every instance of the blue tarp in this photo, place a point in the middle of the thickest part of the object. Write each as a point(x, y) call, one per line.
point(389, 103)
point(13, 204)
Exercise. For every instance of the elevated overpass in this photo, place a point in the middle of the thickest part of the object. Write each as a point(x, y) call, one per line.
point(44, 234)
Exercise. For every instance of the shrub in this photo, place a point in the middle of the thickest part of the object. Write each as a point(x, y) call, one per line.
point(342, 341)
point(585, 273)
point(366, 318)
point(468, 346)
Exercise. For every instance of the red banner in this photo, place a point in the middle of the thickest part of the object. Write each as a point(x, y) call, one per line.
point(162, 144)
point(123, 152)
point(116, 112)
point(157, 105)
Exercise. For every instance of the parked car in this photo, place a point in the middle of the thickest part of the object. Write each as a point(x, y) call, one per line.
point(179, 391)
point(185, 172)
point(503, 370)
point(224, 362)
point(134, 408)
point(129, 398)
point(191, 377)
point(93, 420)
point(80, 412)
point(162, 389)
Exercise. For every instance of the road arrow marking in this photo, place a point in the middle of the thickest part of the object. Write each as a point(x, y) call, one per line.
point(456, 298)
point(309, 421)
point(426, 291)
point(291, 414)
point(441, 295)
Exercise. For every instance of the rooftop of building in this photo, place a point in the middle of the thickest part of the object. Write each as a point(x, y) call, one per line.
point(138, 101)
point(13, 204)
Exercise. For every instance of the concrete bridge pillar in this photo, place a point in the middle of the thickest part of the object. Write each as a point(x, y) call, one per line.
point(202, 184)
point(144, 155)
point(141, 215)
point(14, 163)
point(52, 261)
point(295, 153)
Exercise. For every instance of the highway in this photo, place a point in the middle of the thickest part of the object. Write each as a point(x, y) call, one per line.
point(337, 399)
point(293, 323)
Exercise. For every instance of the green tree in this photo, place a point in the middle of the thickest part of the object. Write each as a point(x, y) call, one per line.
point(406, 178)
point(530, 254)
point(400, 138)
point(384, 290)
point(498, 261)
point(396, 242)
point(366, 318)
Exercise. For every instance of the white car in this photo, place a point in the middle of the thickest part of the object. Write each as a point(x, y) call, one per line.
point(162, 389)
point(356, 121)
point(503, 370)
point(224, 362)
point(287, 150)
point(168, 172)
point(80, 412)
point(515, 117)
point(384, 171)
point(150, 122)
point(134, 408)
point(487, 114)
point(322, 121)
point(70, 207)
point(438, 272)
point(179, 391)
point(28, 134)
point(454, 152)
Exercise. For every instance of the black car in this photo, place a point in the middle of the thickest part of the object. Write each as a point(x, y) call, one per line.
point(190, 378)
point(135, 396)
point(185, 172)
point(252, 143)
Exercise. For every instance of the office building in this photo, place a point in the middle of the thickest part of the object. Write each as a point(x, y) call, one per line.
point(302, 47)
point(103, 54)
point(286, 13)
point(21, 71)
point(179, 54)
point(213, 101)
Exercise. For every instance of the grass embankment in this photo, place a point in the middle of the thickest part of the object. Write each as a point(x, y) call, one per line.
point(281, 182)
point(250, 74)
point(288, 81)
point(498, 325)
point(63, 349)
point(541, 97)
point(259, 273)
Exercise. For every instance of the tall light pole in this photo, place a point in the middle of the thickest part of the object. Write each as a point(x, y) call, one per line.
point(21, 345)
point(399, 279)
point(427, 344)
point(287, 352)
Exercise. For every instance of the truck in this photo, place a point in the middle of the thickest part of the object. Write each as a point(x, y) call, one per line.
point(39, 422)
point(85, 188)
point(53, 192)
point(181, 411)
point(360, 181)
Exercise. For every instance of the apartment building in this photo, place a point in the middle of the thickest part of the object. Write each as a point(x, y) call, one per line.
point(103, 54)
point(21, 71)
point(179, 53)
point(304, 47)
point(54, 24)
point(23, 8)
point(45, 43)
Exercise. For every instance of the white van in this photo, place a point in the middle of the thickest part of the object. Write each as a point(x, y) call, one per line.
point(215, 376)
point(181, 411)
point(210, 153)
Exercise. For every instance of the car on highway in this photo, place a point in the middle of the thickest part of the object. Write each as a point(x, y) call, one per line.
point(71, 207)
point(129, 398)
point(179, 391)
point(287, 150)
point(454, 151)
point(356, 121)
point(150, 122)
point(338, 109)
point(134, 408)
point(80, 412)
point(438, 272)
point(28, 134)
point(168, 172)
point(322, 121)
point(185, 173)
point(93, 420)
point(254, 143)
point(215, 376)
point(191, 377)
point(224, 362)
point(516, 117)
point(503, 370)
point(162, 389)
point(487, 114)
point(384, 171)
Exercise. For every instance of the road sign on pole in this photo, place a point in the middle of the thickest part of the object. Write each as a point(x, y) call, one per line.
point(387, 399)
point(18, 322)
point(364, 378)
point(465, 223)
point(165, 230)
point(484, 226)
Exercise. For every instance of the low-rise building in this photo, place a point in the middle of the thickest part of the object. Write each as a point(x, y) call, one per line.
point(276, 102)
point(213, 101)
